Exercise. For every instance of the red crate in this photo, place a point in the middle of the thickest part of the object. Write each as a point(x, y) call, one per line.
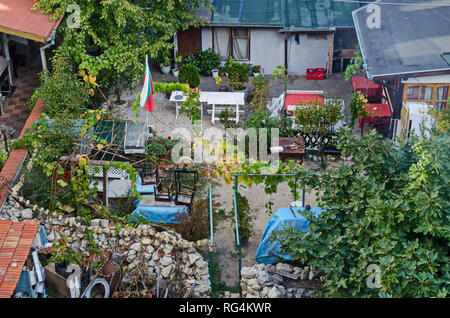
point(315, 73)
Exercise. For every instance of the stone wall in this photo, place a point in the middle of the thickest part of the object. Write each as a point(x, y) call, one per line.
point(140, 247)
point(264, 281)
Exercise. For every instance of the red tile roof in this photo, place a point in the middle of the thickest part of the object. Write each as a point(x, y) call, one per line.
point(18, 18)
point(15, 243)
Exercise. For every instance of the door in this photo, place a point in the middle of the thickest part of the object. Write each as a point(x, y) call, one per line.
point(189, 41)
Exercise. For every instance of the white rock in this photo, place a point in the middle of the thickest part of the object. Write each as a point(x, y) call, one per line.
point(165, 272)
point(248, 272)
point(263, 277)
point(166, 261)
point(193, 258)
point(136, 247)
point(146, 241)
point(273, 293)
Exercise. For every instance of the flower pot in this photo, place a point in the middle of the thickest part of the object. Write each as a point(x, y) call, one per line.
point(256, 74)
point(215, 73)
point(222, 74)
point(165, 69)
point(175, 72)
point(61, 269)
point(120, 105)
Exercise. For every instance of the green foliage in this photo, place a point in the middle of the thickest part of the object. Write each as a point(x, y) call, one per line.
point(357, 107)
point(245, 218)
point(256, 68)
point(159, 147)
point(62, 91)
point(279, 73)
point(206, 61)
point(62, 253)
point(189, 74)
point(161, 87)
point(121, 32)
point(237, 75)
point(317, 118)
point(260, 93)
point(356, 65)
point(389, 208)
point(442, 118)
point(191, 106)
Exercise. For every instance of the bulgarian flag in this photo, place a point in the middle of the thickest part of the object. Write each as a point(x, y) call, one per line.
point(147, 99)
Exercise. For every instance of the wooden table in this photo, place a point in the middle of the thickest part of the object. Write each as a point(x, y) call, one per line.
point(298, 152)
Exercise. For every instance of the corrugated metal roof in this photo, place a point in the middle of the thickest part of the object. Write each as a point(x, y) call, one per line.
point(291, 15)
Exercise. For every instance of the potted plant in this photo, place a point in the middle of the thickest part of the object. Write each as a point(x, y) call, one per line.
point(256, 70)
point(63, 256)
point(176, 69)
point(164, 63)
point(222, 71)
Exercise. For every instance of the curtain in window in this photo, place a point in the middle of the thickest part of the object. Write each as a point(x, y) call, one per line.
point(442, 93)
point(413, 93)
point(241, 44)
point(222, 42)
point(426, 93)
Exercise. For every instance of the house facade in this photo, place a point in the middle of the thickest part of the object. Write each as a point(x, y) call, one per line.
point(409, 55)
point(297, 34)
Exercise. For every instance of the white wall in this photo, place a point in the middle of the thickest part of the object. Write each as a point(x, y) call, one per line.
point(436, 79)
point(267, 49)
point(309, 53)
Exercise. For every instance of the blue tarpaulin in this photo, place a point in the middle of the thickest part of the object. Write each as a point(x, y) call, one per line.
point(159, 214)
point(270, 252)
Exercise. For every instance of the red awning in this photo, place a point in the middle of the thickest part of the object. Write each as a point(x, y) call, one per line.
point(377, 113)
point(371, 90)
point(303, 99)
point(18, 18)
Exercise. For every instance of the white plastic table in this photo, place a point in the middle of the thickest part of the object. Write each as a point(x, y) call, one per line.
point(223, 100)
point(219, 101)
point(178, 97)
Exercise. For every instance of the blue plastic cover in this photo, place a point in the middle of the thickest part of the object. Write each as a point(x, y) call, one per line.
point(270, 252)
point(144, 189)
point(159, 214)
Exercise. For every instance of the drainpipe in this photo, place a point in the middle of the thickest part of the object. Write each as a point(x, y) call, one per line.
point(286, 50)
point(43, 56)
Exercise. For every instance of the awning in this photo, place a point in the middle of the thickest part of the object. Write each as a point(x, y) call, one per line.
point(18, 18)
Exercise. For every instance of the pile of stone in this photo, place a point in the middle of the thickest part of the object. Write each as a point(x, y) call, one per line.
point(162, 253)
point(15, 212)
point(278, 281)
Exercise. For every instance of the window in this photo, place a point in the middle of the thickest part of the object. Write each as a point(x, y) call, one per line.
point(233, 42)
point(441, 96)
point(435, 94)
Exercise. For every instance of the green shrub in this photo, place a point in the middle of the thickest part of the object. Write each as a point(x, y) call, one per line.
point(260, 93)
point(237, 75)
point(189, 74)
point(170, 87)
point(63, 92)
point(205, 60)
